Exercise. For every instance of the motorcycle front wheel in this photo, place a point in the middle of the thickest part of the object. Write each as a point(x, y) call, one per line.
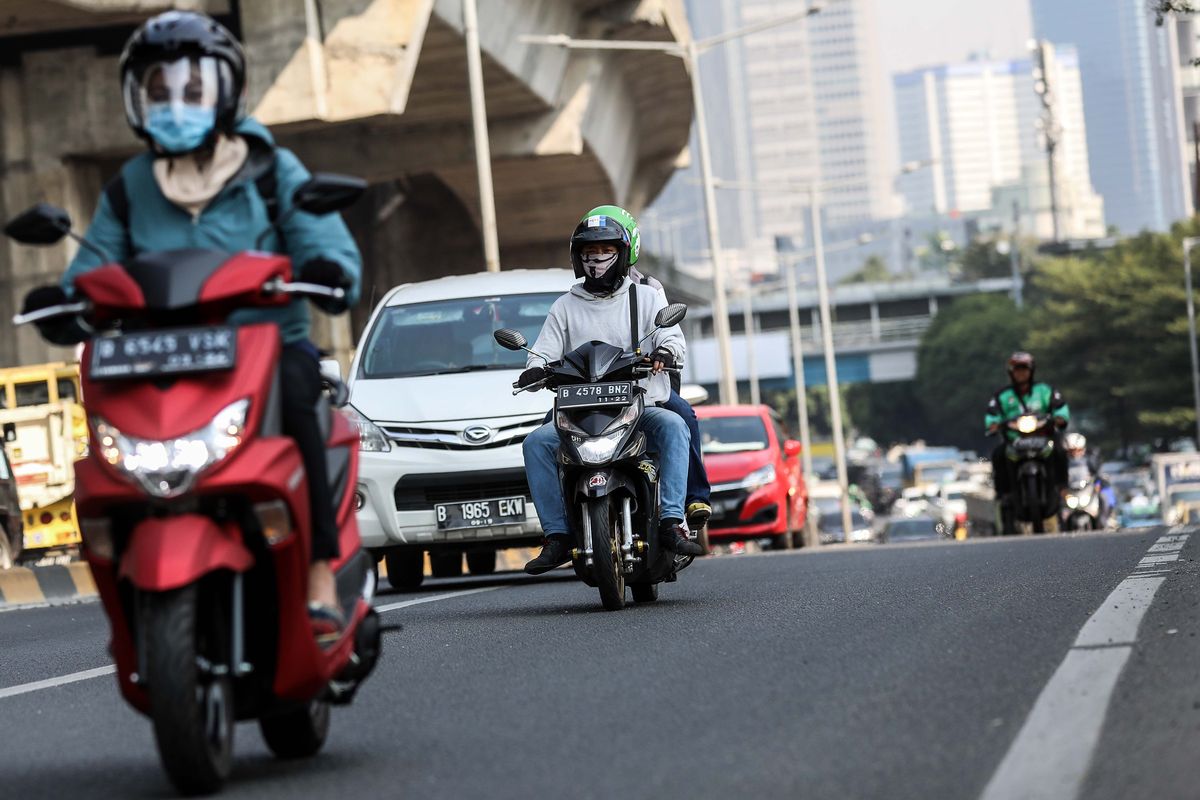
point(606, 555)
point(192, 712)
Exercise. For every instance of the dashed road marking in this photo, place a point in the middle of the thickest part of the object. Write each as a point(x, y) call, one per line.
point(1052, 752)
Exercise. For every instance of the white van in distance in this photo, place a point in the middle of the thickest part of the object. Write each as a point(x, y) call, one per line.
point(441, 469)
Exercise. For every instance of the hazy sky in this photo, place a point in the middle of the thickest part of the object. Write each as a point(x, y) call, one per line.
point(916, 33)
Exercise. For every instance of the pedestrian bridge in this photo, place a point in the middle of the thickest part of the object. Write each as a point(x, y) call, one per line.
point(877, 329)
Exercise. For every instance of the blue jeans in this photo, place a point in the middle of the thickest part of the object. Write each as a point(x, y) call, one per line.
point(666, 435)
point(698, 490)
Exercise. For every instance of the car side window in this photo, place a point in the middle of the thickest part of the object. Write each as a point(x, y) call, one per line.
point(36, 393)
point(780, 436)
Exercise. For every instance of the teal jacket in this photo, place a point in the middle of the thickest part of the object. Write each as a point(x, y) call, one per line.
point(1041, 399)
point(231, 222)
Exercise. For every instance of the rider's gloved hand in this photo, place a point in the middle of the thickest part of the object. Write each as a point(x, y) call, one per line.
point(532, 376)
point(662, 358)
point(64, 331)
point(324, 272)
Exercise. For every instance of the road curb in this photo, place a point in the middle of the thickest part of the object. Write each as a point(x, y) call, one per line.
point(29, 585)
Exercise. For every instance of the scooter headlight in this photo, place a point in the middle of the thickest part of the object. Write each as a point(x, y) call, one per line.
point(1072, 501)
point(1027, 423)
point(602, 448)
point(169, 468)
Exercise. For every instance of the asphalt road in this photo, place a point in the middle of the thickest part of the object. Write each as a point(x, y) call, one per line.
point(892, 671)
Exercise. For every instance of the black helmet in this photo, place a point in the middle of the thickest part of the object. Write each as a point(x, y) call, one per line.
point(217, 68)
point(1021, 359)
point(600, 229)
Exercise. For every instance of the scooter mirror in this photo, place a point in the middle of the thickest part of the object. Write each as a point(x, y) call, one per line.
point(671, 315)
point(510, 339)
point(43, 224)
point(326, 192)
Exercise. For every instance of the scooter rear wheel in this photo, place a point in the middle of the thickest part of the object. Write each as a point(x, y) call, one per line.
point(192, 712)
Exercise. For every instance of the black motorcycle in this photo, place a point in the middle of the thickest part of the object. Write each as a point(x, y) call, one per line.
point(1033, 499)
point(609, 481)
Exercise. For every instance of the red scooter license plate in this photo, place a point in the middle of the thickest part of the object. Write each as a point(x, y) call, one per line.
point(172, 352)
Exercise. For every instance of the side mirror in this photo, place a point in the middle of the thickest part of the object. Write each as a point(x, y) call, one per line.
point(326, 192)
point(671, 315)
point(792, 448)
point(510, 339)
point(43, 224)
point(331, 369)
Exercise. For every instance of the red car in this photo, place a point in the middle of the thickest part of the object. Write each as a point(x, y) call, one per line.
point(758, 490)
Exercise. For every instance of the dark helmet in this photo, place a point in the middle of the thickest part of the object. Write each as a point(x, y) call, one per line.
point(601, 229)
point(1021, 359)
point(214, 54)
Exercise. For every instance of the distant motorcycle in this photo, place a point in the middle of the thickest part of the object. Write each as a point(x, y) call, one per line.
point(609, 481)
point(1082, 504)
point(1033, 499)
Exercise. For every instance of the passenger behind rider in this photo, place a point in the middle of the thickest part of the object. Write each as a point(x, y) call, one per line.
point(598, 309)
point(1024, 396)
point(199, 186)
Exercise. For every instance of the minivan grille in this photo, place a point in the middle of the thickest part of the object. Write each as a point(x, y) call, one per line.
point(422, 492)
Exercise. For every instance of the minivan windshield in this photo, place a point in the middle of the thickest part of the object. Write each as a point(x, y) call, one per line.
point(450, 336)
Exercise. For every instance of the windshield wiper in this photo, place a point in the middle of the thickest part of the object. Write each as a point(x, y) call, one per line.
point(471, 368)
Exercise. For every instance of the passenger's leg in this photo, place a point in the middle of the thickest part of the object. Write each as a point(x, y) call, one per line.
point(697, 497)
point(666, 435)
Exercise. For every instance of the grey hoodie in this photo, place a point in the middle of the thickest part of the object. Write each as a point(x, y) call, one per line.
point(579, 317)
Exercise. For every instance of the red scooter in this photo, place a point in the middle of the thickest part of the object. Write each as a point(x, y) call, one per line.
point(194, 507)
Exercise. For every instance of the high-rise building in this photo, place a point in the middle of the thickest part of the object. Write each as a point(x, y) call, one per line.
point(786, 107)
point(1133, 101)
point(976, 125)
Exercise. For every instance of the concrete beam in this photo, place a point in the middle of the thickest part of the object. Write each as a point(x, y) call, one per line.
point(23, 17)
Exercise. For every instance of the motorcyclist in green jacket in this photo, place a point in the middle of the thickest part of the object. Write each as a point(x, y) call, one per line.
point(1025, 396)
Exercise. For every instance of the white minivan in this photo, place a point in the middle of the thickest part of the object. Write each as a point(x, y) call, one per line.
point(441, 470)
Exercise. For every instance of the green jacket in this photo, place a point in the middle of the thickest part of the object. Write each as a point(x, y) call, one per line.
point(231, 222)
point(1041, 399)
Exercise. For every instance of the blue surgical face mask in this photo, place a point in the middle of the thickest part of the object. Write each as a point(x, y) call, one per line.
point(179, 128)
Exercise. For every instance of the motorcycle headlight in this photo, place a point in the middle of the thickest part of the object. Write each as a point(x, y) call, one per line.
point(601, 448)
point(1027, 423)
point(764, 476)
point(370, 438)
point(169, 468)
point(563, 423)
point(1072, 501)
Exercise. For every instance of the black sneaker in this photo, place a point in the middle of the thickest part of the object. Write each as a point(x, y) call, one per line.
point(673, 536)
point(556, 551)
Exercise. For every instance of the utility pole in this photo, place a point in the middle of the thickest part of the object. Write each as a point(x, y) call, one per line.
point(1014, 255)
point(1048, 122)
point(483, 149)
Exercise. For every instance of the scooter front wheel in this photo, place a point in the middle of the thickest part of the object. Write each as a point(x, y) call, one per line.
point(192, 712)
point(606, 556)
point(298, 733)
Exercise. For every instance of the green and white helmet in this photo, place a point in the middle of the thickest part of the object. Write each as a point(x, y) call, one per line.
point(609, 225)
point(628, 222)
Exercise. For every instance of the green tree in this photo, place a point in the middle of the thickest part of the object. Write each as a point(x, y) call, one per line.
point(873, 270)
point(784, 403)
point(983, 259)
point(1111, 333)
point(887, 412)
point(960, 365)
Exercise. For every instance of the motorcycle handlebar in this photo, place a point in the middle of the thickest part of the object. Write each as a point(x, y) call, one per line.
point(50, 312)
point(303, 289)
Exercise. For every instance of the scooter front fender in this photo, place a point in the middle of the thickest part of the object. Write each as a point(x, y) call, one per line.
point(165, 553)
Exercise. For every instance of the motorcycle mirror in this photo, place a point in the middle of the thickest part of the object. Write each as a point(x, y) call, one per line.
point(510, 339)
point(326, 192)
point(671, 315)
point(43, 224)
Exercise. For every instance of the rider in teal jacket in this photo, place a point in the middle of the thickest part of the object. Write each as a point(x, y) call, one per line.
point(1024, 396)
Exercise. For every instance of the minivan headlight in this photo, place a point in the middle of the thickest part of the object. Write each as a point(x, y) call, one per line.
point(169, 468)
point(371, 439)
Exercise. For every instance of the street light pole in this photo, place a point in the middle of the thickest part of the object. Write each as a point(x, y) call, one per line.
point(798, 373)
point(751, 362)
point(727, 388)
point(483, 149)
point(1188, 244)
point(835, 398)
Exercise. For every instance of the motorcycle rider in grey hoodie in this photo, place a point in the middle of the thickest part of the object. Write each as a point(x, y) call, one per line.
point(598, 309)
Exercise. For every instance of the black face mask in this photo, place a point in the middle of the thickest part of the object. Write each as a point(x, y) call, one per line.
point(601, 275)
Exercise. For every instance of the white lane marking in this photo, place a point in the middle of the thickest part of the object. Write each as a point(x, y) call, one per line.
point(1052, 752)
point(1050, 757)
point(434, 598)
point(50, 683)
point(87, 674)
point(1116, 622)
point(1172, 546)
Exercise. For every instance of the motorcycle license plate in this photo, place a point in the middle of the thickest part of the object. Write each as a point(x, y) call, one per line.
point(595, 394)
point(480, 513)
point(172, 352)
